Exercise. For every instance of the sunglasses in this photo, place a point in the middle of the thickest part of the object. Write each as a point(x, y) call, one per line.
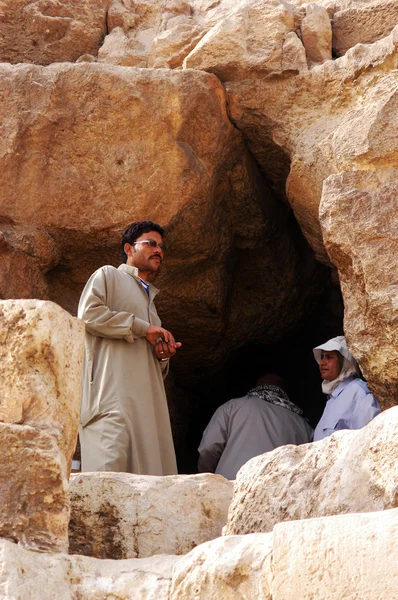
point(153, 244)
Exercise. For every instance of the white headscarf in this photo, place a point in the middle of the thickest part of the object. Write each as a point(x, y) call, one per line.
point(350, 365)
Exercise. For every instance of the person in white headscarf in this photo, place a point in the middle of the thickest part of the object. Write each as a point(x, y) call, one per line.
point(350, 404)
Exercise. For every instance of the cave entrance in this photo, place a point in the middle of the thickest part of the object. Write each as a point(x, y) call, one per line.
point(291, 357)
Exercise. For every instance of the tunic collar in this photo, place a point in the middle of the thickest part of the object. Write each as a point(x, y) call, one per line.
point(133, 271)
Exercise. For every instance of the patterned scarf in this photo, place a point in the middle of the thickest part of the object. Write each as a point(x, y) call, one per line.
point(274, 395)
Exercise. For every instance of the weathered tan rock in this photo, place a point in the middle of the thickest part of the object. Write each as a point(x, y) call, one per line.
point(316, 32)
point(293, 54)
point(34, 508)
point(349, 556)
point(359, 223)
point(229, 568)
point(153, 33)
point(30, 576)
point(349, 472)
point(118, 515)
point(328, 140)
point(119, 49)
point(239, 47)
point(41, 353)
point(46, 31)
point(362, 22)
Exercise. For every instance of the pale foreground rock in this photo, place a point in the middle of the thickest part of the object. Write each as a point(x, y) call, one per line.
point(229, 568)
point(41, 353)
point(358, 214)
point(34, 507)
point(350, 556)
point(347, 556)
point(30, 576)
point(46, 31)
point(118, 515)
point(351, 471)
point(237, 46)
point(41, 350)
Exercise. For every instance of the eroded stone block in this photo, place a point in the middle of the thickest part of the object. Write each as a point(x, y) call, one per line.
point(119, 515)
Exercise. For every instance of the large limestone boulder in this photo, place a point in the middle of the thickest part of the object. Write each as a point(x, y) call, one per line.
point(41, 351)
point(47, 31)
point(118, 515)
point(31, 576)
point(359, 223)
point(348, 472)
point(41, 354)
point(229, 568)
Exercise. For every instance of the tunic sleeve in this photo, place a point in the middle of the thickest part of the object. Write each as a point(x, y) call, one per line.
point(100, 320)
point(213, 442)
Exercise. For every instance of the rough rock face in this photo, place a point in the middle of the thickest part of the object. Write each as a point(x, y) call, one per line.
point(118, 515)
point(30, 576)
point(316, 31)
point(226, 37)
point(236, 47)
point(41, 354)
point(47, 31)
point(41, 348)
point(362, 22)
point(359, 222)
point(34, 506)
point(231, 567)
point(351, 471)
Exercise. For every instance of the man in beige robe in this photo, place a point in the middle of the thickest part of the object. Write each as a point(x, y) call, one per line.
point(125, 424)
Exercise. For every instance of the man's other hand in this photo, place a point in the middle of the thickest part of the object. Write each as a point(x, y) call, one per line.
point(163, 350)
point(156, 334)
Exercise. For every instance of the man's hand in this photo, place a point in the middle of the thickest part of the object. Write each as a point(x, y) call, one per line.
point(163, 350)
point(154, 332)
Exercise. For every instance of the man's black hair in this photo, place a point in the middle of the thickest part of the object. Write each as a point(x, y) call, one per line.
point(135, 230)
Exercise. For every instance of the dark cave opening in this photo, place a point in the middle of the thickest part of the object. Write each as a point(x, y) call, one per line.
point(291, 358)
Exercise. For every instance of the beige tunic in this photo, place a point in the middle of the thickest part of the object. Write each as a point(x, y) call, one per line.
point(125, 424)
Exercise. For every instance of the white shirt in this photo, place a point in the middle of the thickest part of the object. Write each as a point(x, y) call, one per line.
point(349, 406)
